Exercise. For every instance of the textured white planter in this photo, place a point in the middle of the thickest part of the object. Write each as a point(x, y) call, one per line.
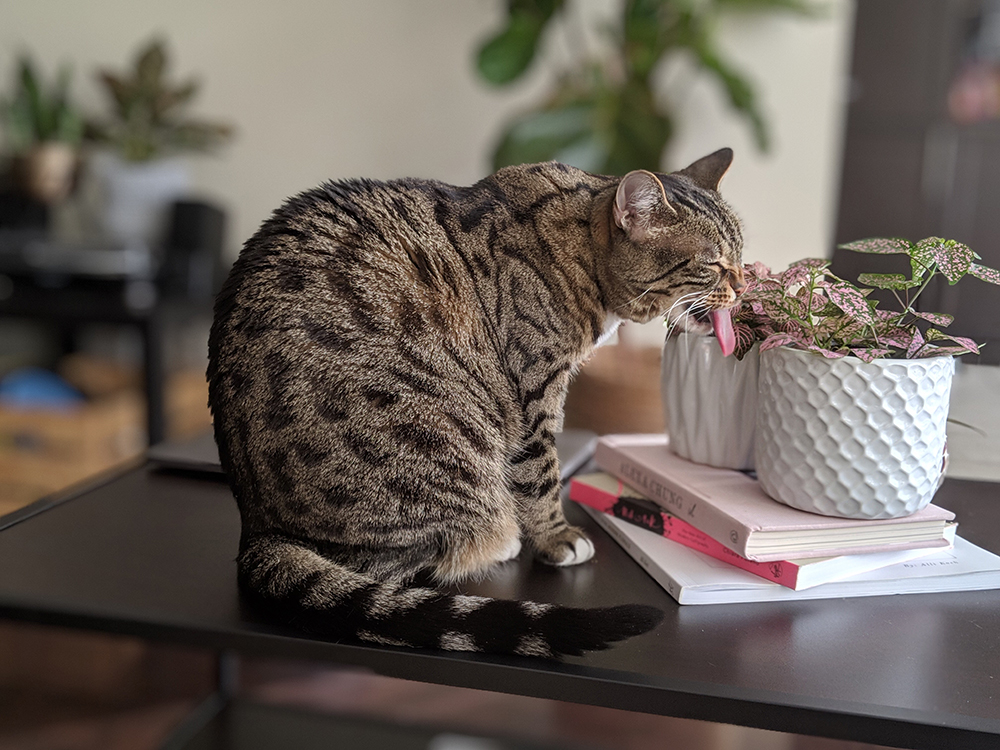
point(842, 437)
point(136, 196)
point(709, 401)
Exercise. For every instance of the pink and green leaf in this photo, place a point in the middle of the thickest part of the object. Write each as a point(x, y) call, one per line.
point(901, 338)
point(870, 354)
point(985, 273)
point(756, 270)
point(744, 339)
point(851, 301)
point(953, 258)
point(917, 343)
point(828, 353)
point(941, 351)
point(809, 308)
point(968, 344)
point(939, 319)
point(879, 246)
point(887, 280)
point(783, 339)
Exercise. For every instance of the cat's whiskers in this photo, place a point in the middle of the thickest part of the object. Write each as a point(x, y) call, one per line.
point(635, 299)
point(697, 300)
point(675, 320)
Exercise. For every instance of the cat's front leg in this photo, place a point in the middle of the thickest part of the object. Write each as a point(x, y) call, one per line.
point(535, 483)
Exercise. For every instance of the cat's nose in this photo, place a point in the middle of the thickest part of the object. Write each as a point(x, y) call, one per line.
point(737, 281)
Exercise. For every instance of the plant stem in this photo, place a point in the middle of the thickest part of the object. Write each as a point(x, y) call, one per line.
point(931, 271)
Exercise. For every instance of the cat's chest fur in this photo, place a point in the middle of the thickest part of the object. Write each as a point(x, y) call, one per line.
point(611, 324)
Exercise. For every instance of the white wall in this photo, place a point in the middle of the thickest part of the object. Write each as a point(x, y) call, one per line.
point(385, 88)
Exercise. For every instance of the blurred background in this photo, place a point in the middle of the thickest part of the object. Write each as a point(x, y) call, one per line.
point(179, 127)
point(141, 143)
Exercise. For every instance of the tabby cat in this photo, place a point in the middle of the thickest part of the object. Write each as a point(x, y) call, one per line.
point(388, 366)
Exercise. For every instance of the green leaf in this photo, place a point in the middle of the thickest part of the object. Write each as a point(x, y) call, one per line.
point(739, 90)
point(800, 7)
point(171, 98)
point(643, 31)
point(887, 280)
point(151, 63)
point(506, 56)
point(33, 95)
point(539, 136)
point(589, 153)
point(638, 131)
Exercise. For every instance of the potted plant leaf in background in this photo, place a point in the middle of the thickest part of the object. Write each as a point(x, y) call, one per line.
point(853, 399)
point(43, 131)
point(604, 113)
point(147, 130)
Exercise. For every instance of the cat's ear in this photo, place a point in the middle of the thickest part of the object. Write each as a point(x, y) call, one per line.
point(640, 195)
point(709, 170)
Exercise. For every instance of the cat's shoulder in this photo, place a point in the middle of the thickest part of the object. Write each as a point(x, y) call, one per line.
point(549, 174)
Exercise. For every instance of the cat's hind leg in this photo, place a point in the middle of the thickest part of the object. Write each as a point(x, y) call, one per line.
point(473, 555)
point(474, 547)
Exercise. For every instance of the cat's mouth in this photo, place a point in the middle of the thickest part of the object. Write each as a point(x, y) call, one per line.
point(722, 327)
point(718, 321)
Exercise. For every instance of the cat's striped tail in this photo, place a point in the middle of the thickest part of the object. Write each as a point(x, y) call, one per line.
point(315, 594)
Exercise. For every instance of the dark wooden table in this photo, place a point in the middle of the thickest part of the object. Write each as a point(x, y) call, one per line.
point(150, 553)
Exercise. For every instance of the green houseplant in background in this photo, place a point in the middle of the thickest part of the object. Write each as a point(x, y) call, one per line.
point(43, 132)
point(603, 113)
point(148, 118)
point(146, 131)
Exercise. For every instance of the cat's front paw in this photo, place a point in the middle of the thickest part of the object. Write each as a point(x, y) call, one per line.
point(569, 547)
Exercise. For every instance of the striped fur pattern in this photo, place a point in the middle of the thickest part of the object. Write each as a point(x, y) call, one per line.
point(388, 365)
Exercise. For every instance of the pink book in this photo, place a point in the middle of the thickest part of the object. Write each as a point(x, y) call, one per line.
point(607, 494)
point(732, 508)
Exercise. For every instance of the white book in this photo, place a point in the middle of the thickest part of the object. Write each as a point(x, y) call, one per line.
point(692, 577)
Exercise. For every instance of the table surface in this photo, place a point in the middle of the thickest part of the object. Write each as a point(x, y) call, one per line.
point(150, 553)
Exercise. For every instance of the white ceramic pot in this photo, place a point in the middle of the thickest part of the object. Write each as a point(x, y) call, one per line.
point(136, 196)
point(843, 437)
point(709, 401)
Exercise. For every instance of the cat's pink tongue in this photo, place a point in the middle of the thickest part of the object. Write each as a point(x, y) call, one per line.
point(722, 325)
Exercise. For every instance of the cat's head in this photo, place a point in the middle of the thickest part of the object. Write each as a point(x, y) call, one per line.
point(675, 245)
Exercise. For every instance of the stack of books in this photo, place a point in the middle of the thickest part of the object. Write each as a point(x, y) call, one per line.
point(712, 536)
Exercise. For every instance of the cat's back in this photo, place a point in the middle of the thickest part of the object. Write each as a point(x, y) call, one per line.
point(345, 249)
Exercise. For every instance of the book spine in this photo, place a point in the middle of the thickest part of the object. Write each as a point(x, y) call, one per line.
point(634, 511)
point(672, 586)
point(674, 499)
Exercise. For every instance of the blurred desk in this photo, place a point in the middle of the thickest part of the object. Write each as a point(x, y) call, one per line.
point(150, 553)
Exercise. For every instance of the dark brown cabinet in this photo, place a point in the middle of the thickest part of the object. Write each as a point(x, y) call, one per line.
point(909, 168)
